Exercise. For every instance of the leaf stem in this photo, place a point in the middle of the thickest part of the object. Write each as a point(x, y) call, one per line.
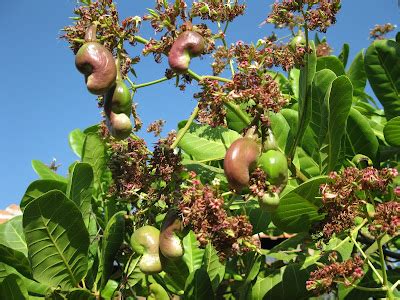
point(142, 85)
point(389, 293)
point(366, 258)
point(362, 288)
point(182, 132)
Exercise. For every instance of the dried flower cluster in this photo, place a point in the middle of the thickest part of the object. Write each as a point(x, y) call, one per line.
point(323, 49)
point(325, 279)
point(386, 219)
point(105, 14)
point(156, 127)
point(344, 195)
point(217, 10)
point(166, 16)
point(379, 31)
point(318, 15)
point(259, 184)
point(203, 209)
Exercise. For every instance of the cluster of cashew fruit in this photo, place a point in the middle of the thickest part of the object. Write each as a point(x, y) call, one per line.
point(103, 77)
point(188, 44)
point(149, 242)
point(245, 154)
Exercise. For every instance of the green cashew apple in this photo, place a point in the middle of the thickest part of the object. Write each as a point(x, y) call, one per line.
point(274, 164)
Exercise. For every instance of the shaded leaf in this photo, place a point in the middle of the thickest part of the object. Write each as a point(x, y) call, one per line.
point(259, 219)
point(344, 55)
point(382, 66)
point(13, 287)
point(112, 240)
point(198, 286)
point(57, 240)
point(215, 269)
point(16, 259)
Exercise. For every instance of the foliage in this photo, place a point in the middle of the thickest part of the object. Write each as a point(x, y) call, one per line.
point(336, 201)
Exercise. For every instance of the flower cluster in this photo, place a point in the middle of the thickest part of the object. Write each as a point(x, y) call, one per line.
point(318, 15)
point(165, 162)
point(259, 184)
point(386, 219)
point(202, 208)
point(217, 10)
point(344, 195)
point(166, 16)
point(111, 32)
point(325, 279)
point(128, 165)
point(156, 127)
point(323, 49)
point(379, 31)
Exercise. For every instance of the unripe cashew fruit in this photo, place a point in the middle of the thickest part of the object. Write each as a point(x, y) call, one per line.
point(270, 142)
point(188, 44)
point(170, 243)
point(145, 241)
point(298, 41)
point(117, 108)
point(269, 202)
point(239, 161)
point(96, 62)
point(274, 164)
point(157, 292)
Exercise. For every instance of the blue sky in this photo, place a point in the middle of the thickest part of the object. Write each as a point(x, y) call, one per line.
point(43, 96)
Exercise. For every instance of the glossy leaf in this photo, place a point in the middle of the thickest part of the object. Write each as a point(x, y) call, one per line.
point(361, 138)
point(57, 240)
point(211, 263)
point(198, 286)
point(288, 282)
point(259, 219)
point(332, 63)
point(176, 273)
point(76, 139)
point(205, 143)
point(94, 153)
point(12, 235)
point(382, 66)
point(280, 129)
point(205, 172)
point(45, 172)
point(356, 72)
point(344, 54)
point(79, 189)
point(392, 132)
point(193, 255)
point(40, 187)
point(294, 77)
point(112, 240)
point(299, 207)
point(233, 121)
point(13, 287)
point(337, 108)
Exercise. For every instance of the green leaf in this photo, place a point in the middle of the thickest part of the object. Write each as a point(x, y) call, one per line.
point(176, 273)
point(294, 77)
point(259, 219)
point(40, 187)
point(57, 240)
point(45, 172)
point(79, 189)
point(13, 287)
point(80, 294)
point(356, 72)
point(343, 246)
point(16, 259)
point(233, 121)
point(288, 282)
point(280, 129)
point(337, 108)
point(361, 137)
point(12, 235)
point(198, 286)
point(205, 143)
point(344, 55)
point(332, 63)
point(392, 132)
point(112, 240)
point(31, 285)
point(306, 164)
point(205, 172)
point(193, 255)
point(215, 269)
point(299, 207)
point(307, 74)
point(382, 66)
point(133, 272)
point(94, 153)
point(76, 139)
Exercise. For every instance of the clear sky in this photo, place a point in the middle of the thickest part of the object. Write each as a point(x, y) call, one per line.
point(44, 97)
